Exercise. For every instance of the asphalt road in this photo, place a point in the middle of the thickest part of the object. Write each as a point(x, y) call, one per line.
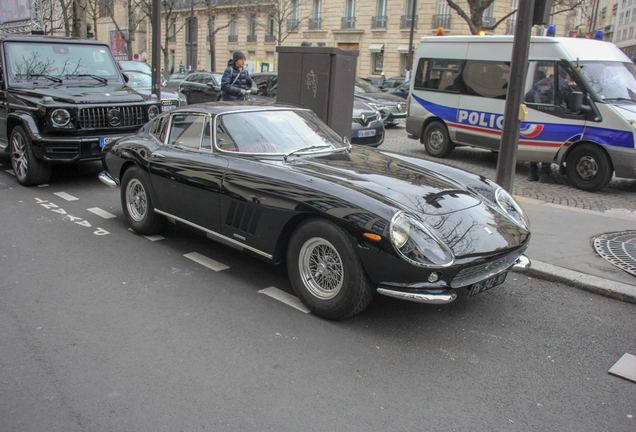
point(105, 330)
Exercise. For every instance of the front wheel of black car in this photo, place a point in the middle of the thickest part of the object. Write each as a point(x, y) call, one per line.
point(436, 140)
point(28, 169)
point(325, 271)
point(137, 204)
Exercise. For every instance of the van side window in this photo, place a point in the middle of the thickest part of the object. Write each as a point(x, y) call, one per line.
point(486, 78)
point(444, 75)
point(543, 83)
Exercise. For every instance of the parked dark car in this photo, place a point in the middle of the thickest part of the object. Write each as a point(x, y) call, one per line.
point(367, 127)
point(392, 83)
point(61, 101)
point(401, 91)
point(278, 183)
point(375, 82)
point(201, 87)
point(143, 84)
point(393, 108)
point(174, 80)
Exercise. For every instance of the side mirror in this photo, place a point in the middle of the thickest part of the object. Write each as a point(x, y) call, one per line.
point(126, 77)
point(576, 103)
point(214, 86)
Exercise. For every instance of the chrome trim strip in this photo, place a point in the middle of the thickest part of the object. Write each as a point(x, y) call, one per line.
point(522, 264)
point(215, 234)
point(108, 180)
point(443, 297)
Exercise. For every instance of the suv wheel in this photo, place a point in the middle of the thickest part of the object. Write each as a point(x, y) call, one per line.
point(28, 169)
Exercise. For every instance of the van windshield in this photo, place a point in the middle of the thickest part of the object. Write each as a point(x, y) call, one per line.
point(611, 81)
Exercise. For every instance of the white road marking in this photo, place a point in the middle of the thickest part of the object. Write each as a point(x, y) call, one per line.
point(205, 261)
point(284, 297)
point(10, 172)
point(67, 197)
point(101, 213)
point(155, 237)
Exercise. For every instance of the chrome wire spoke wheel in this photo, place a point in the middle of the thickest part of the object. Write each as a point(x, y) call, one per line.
point(321, 268)
point(586, 167)
point(136, 200)
point(19, 157)
point(436, 139)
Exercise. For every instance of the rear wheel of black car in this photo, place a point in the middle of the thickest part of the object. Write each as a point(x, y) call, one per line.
point(325, 271)
point(137, 204)
point(436, 140)
point(27, 168)
point(588, 168)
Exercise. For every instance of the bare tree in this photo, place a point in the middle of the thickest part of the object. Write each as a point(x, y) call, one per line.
point(79, 18)
point(135, 15)
point(285, 17)
point(474, 16)
point(231, 8)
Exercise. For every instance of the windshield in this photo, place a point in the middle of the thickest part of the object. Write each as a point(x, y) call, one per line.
point(610, 80)
point(139, 80)
point(279, 132)
point(136, 66)
point(27, 62)
point(364, 87)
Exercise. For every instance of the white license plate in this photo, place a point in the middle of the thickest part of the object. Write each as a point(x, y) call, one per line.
point(399, 120)
point(366, 133)
point(104, 141)
point(167, 108)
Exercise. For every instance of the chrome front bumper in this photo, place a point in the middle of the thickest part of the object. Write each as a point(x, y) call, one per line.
point(108, 180)
point(417, 293)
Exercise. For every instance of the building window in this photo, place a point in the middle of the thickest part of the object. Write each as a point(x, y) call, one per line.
point(173, 30)
point(620, 20)
point(380, 18)
point(315, 22)
point(191, 39)
point(378, 62)
point(105, 8)
point(349, 19)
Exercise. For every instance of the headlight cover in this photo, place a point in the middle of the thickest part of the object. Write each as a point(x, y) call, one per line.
point(418, 245)
point(60, 117)
point(153, 111)
point(511, 208)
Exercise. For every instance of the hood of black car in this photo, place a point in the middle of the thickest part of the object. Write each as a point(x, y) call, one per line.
point(82, 95)
point(385, 98)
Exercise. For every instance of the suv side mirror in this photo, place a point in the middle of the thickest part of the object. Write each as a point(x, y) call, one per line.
point(126, 77)
point(576, 103)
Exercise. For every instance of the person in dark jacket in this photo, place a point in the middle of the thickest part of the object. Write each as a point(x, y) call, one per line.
point(236, 81)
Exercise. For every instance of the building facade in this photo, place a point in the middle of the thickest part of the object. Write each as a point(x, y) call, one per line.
point(625, 27)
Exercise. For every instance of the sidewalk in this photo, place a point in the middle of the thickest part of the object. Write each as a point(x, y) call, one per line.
point(561, 248)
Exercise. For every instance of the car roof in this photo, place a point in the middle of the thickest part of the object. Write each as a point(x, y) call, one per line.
point(48, 39)
point(221, 107)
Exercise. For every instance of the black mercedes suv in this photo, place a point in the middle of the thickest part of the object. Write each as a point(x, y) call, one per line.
point(61, 100)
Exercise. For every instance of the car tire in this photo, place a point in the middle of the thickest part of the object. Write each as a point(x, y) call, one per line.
point(588, 168)
point(28, 169)
point(325, 271)
point(436, 140)
point(137, 205)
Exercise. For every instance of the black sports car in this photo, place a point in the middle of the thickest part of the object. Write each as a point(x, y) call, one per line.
point(348, 220)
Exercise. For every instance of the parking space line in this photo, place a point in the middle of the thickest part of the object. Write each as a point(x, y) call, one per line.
point(43, 185)
point(284, 297)
point(155, 238)
point(101, 213)
point(65, 196)
point(10, 172)
point(205, 261)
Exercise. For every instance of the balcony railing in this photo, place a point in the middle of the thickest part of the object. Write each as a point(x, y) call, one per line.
point(270, 38)
point(292, 25)
point(348, 23)
point(511, 25)
point(405, 21)
point(488, 21)
point(379, 22)
point(442, 20)
point(251, 38)
point(314, 23)
point(232, 38)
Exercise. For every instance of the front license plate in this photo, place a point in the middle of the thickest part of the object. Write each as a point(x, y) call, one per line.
point(485, 285)
point(366, 133)
point(104, 141)
point(400, 120)
point(167, 108)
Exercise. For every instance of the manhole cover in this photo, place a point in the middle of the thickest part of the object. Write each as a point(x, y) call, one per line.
point(618, 248)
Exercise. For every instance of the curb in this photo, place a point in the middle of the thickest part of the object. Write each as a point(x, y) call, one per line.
point(593, 284)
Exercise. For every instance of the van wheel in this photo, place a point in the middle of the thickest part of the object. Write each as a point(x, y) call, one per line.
point(436, 140)
point(588, 168)
point(28, 169)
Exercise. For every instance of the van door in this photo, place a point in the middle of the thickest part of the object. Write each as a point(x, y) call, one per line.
point(550, 122)
point(482, 103)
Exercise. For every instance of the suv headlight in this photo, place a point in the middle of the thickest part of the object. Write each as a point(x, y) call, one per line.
point(417, 244)
point(153, 111)
point(511, 208)
point(60, 117)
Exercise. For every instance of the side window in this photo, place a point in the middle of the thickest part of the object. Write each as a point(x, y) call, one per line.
point(186, 130)
point(206, 138)
point(435, 74)
point(543, 79)
point(566, 86)
point(207, 79)
point(487, 78)
point(156, 127)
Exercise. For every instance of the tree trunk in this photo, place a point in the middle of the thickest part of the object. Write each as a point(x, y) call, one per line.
point(211, 36)
point(79, 18)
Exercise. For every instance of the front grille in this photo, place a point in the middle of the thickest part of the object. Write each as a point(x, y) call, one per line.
point(97, 117)
point(369, 119)
point(398, 109)
point(471, 275)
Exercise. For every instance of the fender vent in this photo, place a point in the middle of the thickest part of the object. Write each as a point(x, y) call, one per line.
point(243, 217)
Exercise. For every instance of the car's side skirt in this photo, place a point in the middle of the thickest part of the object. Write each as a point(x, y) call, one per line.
point(215, 234)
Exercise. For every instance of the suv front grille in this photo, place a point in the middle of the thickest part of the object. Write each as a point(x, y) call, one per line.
point(97, 117)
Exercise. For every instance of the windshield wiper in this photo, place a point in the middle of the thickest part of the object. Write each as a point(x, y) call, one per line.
point(97, 77)
point(49, 77)
point(619, 99)
point(305, 148)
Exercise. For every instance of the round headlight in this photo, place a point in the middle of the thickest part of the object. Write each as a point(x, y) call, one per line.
point(153, 111)
point(511, 208)
point(417, 244)
point(60, 117)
